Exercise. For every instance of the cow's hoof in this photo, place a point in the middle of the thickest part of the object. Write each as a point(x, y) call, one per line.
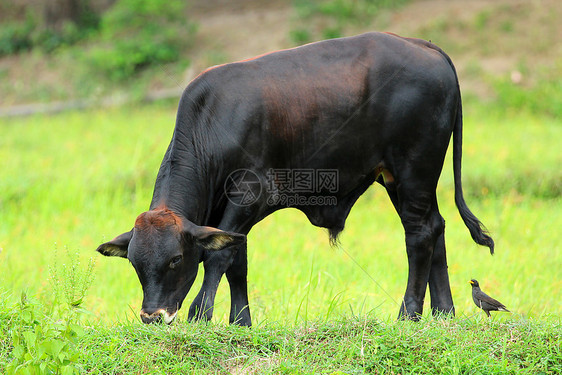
point(410, 311)
point(443, 312)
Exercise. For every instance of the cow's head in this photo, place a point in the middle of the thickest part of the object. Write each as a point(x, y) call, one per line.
point(165, 250)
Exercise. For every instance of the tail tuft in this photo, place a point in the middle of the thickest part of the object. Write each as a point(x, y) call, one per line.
point(478, 231)
point(334, 239)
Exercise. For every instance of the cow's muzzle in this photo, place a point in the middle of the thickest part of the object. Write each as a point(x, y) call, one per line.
point(158, 316)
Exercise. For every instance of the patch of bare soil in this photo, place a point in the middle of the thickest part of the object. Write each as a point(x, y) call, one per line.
point(231, 31)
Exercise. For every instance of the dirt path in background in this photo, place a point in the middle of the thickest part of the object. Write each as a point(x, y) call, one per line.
point(231, 31)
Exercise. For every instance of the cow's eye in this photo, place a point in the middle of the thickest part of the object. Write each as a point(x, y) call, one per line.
point(175, 261)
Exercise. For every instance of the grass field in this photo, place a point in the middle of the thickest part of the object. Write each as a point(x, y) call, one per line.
point(74, 180)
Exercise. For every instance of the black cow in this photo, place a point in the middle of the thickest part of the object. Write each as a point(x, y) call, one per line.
point(324, 120)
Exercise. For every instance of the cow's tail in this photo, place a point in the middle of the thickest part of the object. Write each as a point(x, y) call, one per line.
point(477, 230)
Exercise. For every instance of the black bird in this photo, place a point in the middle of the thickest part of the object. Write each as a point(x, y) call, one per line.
point(484, 301)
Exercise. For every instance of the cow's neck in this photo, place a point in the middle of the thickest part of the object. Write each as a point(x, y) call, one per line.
point(184, 183)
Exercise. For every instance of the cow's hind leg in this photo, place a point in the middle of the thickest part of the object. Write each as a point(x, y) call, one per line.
point(439, 287)
point(422, 225)
point(440, 290)
point(416, 203)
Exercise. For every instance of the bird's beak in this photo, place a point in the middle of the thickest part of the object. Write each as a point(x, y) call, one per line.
point(470, 282)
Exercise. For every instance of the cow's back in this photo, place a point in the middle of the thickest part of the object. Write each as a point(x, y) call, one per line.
point(359, 88)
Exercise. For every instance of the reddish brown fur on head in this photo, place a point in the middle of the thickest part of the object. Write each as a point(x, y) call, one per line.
point(159, 218)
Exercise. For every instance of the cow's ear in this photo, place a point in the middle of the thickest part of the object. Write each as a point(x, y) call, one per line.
point(212, 238)
point(117, 247)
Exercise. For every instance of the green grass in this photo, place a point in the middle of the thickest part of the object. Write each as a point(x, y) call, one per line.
point(342, 345)
point(74, 180)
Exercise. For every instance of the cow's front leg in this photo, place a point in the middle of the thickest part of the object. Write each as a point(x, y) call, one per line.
point(215, 265)
point(237, 279)
point(439, 287)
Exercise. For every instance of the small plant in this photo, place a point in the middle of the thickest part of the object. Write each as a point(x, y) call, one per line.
point(16, 36)
point(300, 36)
point(335, 16)
point(482, 20)
point(41, 345)
point(69, 281)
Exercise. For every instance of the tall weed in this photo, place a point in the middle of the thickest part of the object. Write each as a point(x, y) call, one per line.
point(43, 337)
point(69, 281)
